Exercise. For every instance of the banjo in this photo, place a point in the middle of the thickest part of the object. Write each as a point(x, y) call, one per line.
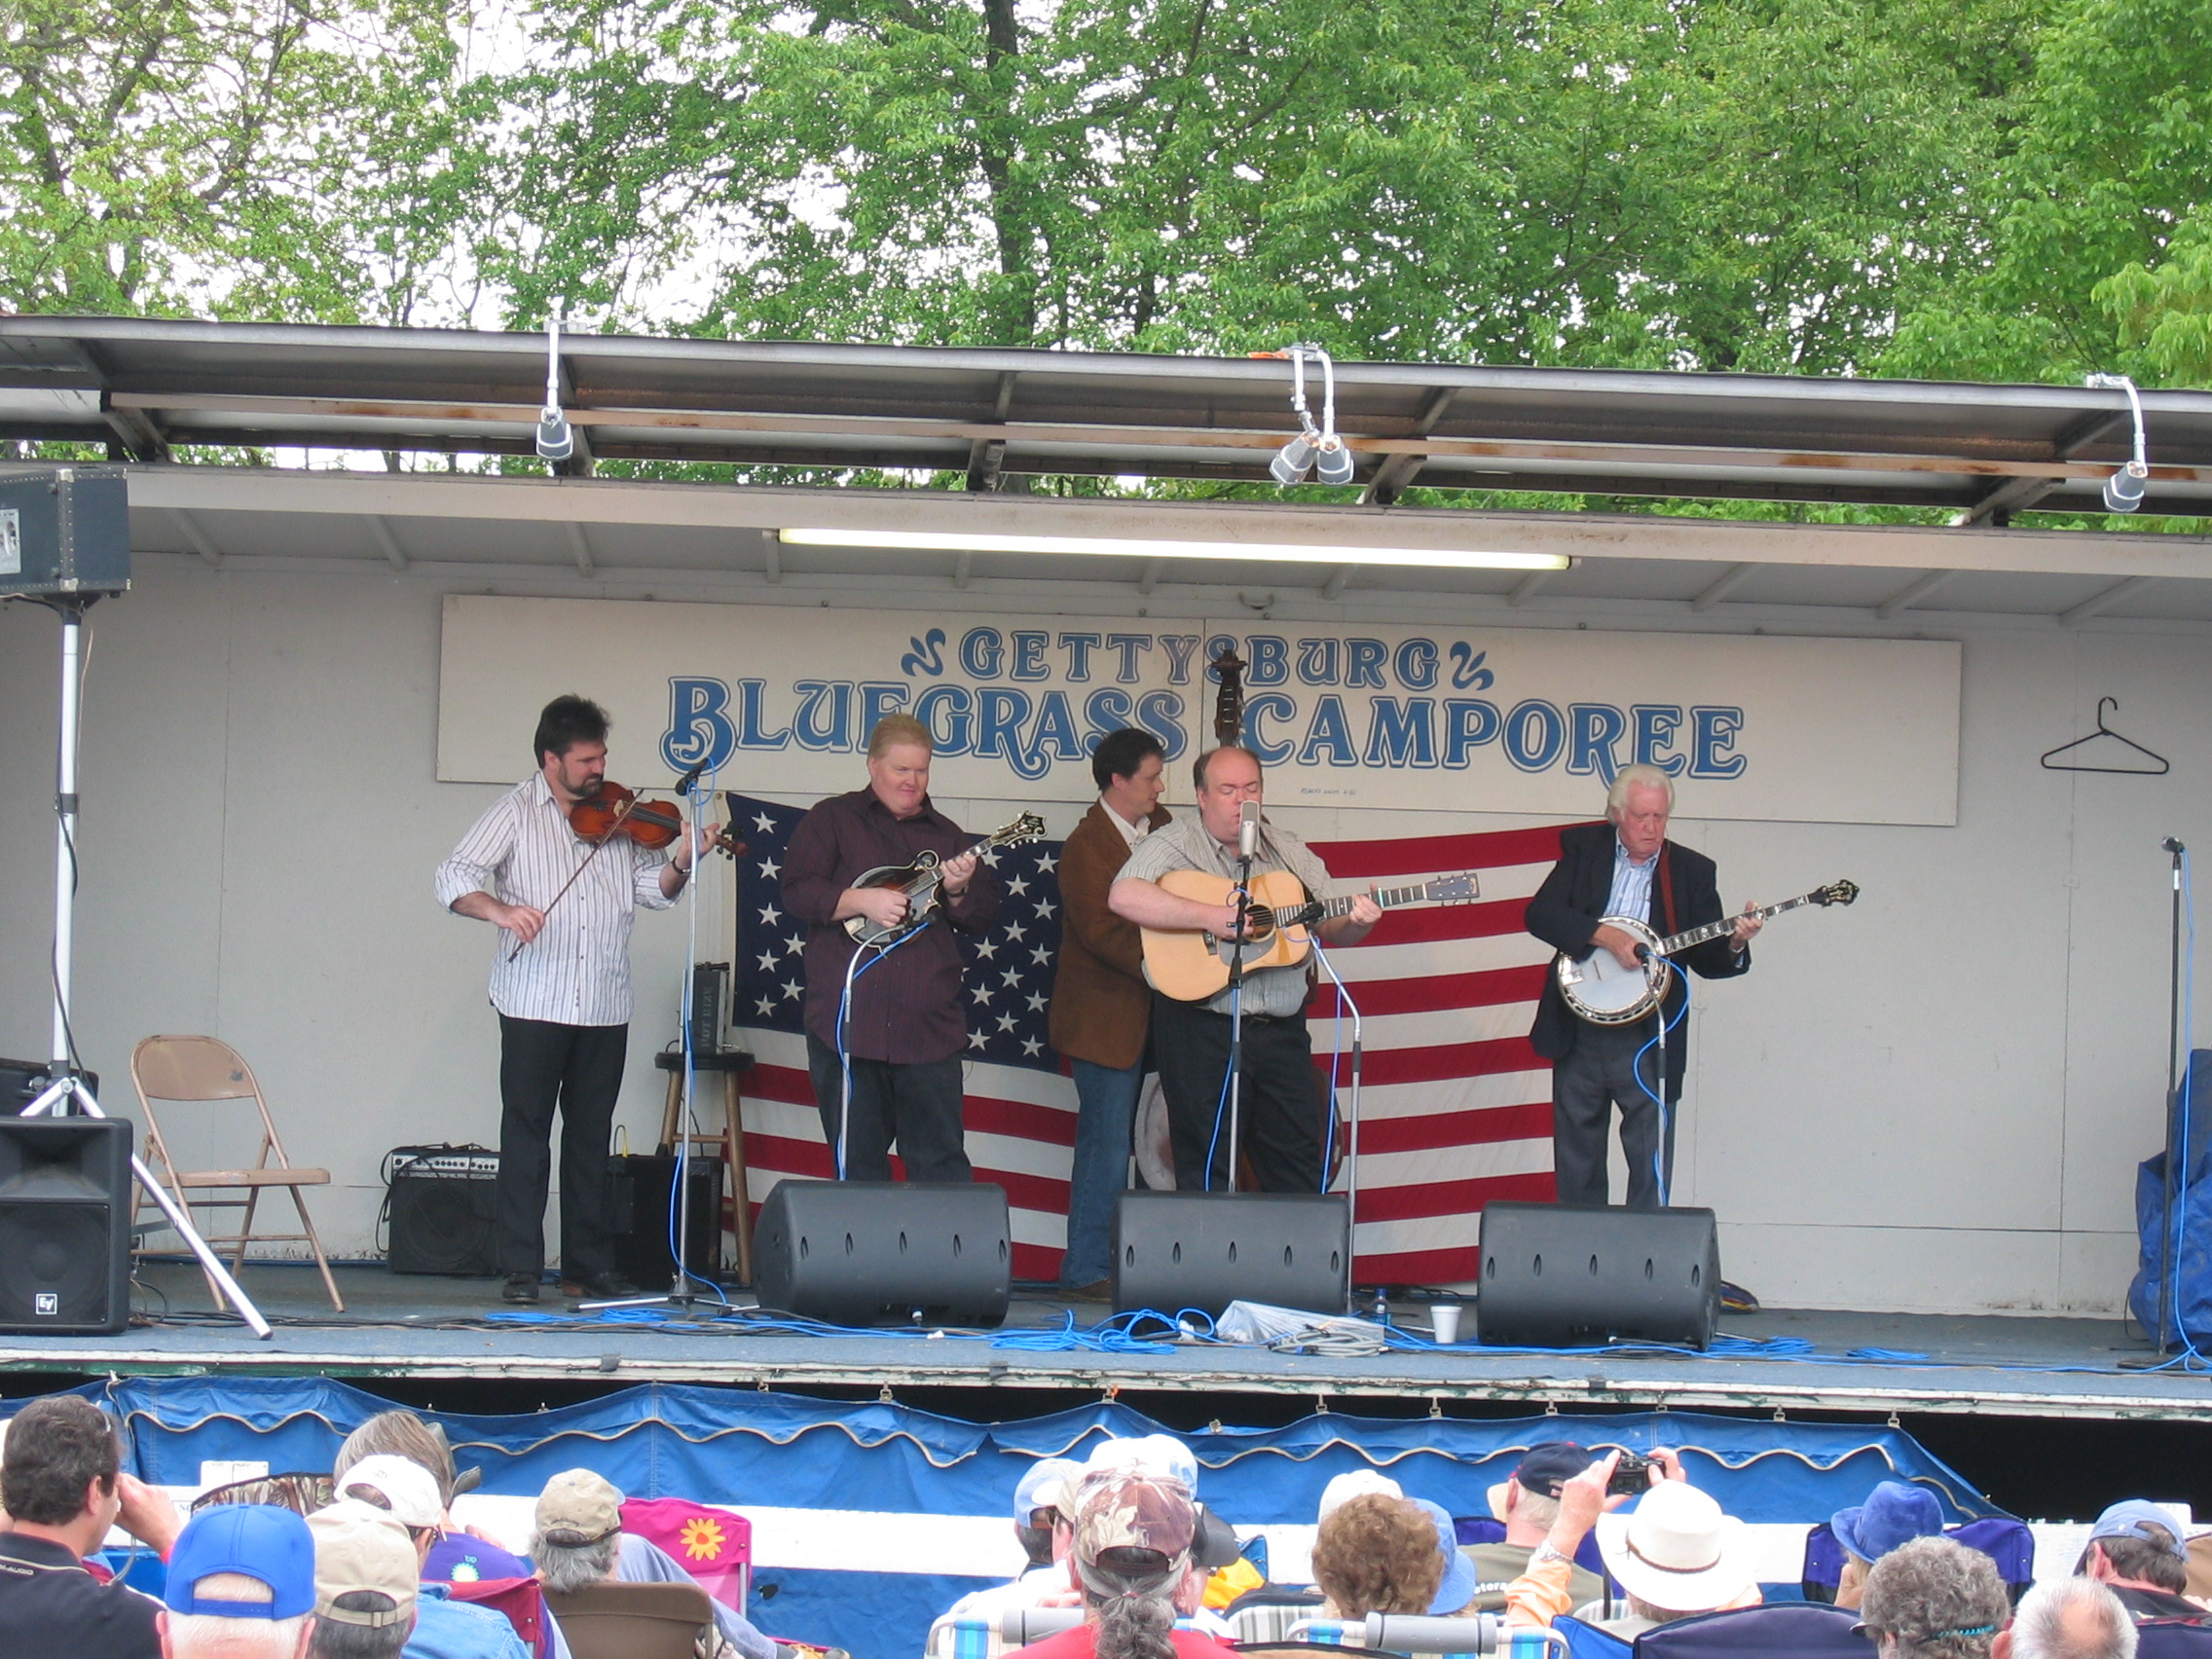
point(1604, 993)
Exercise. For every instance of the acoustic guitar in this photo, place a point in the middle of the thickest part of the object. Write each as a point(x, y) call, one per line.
point(1194, 966)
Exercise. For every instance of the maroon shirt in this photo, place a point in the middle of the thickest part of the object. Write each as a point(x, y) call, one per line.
point(906, 1008)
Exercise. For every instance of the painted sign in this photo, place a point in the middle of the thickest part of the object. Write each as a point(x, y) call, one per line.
point(781, 700)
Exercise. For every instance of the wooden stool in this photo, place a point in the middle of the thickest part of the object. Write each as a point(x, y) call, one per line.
point(731, 1140)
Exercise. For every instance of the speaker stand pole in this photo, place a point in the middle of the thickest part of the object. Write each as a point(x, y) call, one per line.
point(2177, 1152)
point(68, 1087)
point(1351, 1156)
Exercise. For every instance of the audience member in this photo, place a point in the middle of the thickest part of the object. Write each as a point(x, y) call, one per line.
point(1044, 1534)
point(2135, 1550)
point(1528, 1501)
point(63, 1485)
point(459, 1555)
point(1892, 1514)
point(1676, 1555)
point(1456, 1575)
point(1934, 1599)
point(1376, 1554)
point(444, 1629)
point(364, 1586)
point(1357, 1483)
point(1133, 1537)
point(241, 1586)
point(2067, 1619)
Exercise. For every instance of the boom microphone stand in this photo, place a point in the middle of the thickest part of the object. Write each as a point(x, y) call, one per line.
point(1248, 842)
point(68, 1089)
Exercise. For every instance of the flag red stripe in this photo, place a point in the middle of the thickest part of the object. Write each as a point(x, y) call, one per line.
point(1532, 1119)
point(1442, 1060)
point(1434, 993)
point(1451, 1197)
point(1426, 925)
point(1440, 855)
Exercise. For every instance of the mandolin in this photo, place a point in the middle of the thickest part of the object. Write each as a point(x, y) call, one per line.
point(1192, 967)
point(1604, 993)
point(920, 882)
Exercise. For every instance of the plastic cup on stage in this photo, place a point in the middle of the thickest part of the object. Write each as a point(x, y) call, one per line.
point(1444, 1320)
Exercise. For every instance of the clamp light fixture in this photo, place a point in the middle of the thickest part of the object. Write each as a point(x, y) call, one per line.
point(555, 440)
point(2123, 490)
point(1138, 547)
point(1316, 449)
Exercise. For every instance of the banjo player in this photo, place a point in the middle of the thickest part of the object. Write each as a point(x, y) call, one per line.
point(1624, 867)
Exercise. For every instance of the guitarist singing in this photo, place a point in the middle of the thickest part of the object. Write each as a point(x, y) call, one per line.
point(1625, 867)
point(905, 1029)
point(1280, 1102)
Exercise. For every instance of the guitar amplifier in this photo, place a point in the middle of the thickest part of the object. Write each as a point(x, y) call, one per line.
point(439, 1206)
point(640, 1187)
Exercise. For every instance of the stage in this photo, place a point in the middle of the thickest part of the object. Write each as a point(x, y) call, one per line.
point(435, 1329)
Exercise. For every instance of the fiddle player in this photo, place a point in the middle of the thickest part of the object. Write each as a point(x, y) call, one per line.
point(563, 998)
point(905, 1029)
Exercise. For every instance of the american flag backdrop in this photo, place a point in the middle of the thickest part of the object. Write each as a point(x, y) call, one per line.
point(1455, 1107)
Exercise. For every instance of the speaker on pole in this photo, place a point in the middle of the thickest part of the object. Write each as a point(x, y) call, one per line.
point(863, 1252)
point(1204, 1250)
point(65, 1225)
point(1578, 1275)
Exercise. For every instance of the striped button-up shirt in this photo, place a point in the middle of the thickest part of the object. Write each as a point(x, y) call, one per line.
point(577, 971)
point(1632, 885)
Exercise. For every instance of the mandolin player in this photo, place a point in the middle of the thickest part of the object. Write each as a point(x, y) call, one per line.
point(1625, 867)
point(1280, 1100)
point(905, 1029)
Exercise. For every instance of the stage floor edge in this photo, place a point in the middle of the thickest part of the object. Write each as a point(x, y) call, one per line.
point(409, 1327)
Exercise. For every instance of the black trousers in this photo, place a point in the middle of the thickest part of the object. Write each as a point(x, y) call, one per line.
point(916, 1105)
point(577, 1069)
point(1597, 1075)
point(1280, 1104)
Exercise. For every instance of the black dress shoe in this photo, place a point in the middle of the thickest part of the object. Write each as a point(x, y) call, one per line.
point(599, 1287)
point(520, 1287)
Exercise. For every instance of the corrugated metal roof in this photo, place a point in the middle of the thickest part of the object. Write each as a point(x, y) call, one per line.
point(150, 386)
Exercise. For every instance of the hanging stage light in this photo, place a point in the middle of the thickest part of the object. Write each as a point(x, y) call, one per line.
point(2124, 489)
point(1315, 447)
point(555, 440)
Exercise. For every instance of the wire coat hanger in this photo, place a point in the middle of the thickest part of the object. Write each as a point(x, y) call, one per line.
point(2160, 765)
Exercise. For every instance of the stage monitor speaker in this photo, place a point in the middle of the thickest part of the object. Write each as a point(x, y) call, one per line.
point(440, 1202)
point(65, 1225)
point(66, 530)
point(1578, 1275)
point(863, 1252)
point(642, 1183)
point(1204, 1250)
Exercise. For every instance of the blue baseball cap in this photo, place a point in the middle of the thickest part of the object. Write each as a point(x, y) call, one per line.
point(1892, 1514)
point(260, 1541)
point(2127, 1518)
point(1043, 1485)
point(1457, 1588)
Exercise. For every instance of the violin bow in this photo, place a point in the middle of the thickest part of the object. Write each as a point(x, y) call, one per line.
point(596, 847)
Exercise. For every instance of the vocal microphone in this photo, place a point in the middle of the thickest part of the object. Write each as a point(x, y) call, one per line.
point(685, 783)
point(2173, 846)
point(1247, 829)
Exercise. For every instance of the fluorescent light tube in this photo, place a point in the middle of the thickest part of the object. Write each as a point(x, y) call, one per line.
point(1131, 547)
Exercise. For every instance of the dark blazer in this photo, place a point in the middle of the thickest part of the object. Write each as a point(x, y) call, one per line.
point(1101, 1005)
point(1566, 912)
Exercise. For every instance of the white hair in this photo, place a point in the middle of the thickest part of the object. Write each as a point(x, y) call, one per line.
point(2051, 1621)
point(567, 1567)
point(1633, 777)
point(214, 1636)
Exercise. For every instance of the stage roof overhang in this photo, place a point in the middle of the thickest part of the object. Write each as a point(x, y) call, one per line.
point(1981, 453)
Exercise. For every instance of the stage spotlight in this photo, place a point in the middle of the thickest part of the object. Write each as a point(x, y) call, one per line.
point(555, 441)
point(1315, 445)
point(1293, 461)
point(2123, 490)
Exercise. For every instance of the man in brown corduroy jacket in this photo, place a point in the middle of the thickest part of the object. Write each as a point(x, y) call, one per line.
point(1101, 1005)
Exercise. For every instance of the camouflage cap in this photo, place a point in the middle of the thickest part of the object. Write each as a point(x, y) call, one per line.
point(1117, 1510)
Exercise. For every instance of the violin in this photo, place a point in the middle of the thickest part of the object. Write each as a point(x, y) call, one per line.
point(616, 813)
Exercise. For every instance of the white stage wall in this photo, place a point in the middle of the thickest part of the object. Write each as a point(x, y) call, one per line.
point(1934, 1100)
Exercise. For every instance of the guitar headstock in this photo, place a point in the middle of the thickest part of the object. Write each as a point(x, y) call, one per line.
point(1027, 827)
point(1835, 893)
point(1461, 889)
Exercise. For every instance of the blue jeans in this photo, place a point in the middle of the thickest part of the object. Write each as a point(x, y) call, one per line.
point(1105, 1128)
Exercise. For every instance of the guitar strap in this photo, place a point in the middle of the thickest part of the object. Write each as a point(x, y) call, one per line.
point(1666, 886)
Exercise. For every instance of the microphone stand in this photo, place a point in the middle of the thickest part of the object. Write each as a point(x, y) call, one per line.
point(1237, 1011)
point(2177, 1156)
point(1351, 1156)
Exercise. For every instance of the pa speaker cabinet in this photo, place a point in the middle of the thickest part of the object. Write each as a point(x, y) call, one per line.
point(65, 1225)
point(442, 1207)
point(66, 530)
point(1575, 1275)
point(1204, 1250)
point(641, 1184)
point(861, 1252)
